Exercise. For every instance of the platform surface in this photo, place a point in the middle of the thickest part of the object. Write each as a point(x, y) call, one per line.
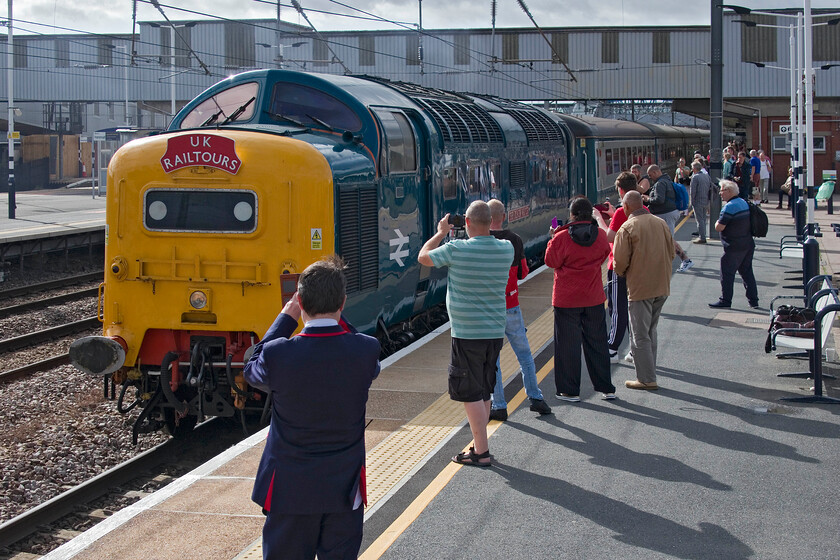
point(713, 465)
point(48, 213)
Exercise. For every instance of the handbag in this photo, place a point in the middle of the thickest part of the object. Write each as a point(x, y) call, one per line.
point(786, 187)
point(790, 317)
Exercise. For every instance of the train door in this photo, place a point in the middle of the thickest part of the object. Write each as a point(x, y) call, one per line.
point(404, 199)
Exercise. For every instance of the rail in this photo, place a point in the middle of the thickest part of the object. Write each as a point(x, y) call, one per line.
point(14, 343)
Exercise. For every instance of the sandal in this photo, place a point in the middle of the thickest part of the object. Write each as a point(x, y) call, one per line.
point(471, 458)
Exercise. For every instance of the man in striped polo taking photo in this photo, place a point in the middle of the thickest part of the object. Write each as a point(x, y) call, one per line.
point(475, 300)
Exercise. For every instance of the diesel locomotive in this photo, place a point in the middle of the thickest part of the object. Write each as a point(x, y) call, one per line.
point(209, 223)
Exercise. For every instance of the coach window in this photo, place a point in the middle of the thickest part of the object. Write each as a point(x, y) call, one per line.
point(399, 146)
point(222, 105)
point(495, 178)
point(450, 183)
point(474, 186)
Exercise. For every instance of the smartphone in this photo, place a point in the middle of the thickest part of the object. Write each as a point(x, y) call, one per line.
point(554, 222)
point(457, 221)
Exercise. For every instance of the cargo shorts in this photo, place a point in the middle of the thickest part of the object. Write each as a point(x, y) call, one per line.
point(472, 370)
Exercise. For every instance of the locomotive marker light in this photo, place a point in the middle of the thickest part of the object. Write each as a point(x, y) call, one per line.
point(190, 150)
point(198, 299)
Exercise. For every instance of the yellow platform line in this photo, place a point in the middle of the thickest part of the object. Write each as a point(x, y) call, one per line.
point(400, 453)
point(410, 514)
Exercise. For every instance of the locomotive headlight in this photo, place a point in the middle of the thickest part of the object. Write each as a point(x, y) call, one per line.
point(198, 299)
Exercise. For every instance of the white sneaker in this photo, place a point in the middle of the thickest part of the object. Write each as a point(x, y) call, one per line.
point(568, 398)
point(629, 357)
point(686, 264)
point(613, 356)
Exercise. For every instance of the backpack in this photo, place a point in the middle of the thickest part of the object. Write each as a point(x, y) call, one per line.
point(758, 221)
point(681, 195)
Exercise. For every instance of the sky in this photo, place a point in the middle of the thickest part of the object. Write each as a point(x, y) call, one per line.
point(115, 16)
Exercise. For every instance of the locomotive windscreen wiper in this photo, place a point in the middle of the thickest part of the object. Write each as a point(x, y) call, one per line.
point(285, 118)
point(212, 118)
point(238, 112)
point(322, 123)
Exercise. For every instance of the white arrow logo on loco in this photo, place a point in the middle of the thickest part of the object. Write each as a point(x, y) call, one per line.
point(400, 252)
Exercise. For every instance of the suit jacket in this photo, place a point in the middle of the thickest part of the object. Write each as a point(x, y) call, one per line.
point(314, 456)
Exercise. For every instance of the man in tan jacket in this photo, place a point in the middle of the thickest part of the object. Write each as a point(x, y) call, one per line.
point(643, 253)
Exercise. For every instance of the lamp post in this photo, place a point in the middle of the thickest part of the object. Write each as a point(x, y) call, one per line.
point(11, 133)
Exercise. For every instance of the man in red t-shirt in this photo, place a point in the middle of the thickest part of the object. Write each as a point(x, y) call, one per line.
point(617, 285)
point(514, 324)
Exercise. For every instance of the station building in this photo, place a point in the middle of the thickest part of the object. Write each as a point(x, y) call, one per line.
point(68, 87)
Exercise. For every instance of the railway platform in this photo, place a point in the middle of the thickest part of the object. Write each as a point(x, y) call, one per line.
point(49, 213)
point(49, 221)
point(712, 465)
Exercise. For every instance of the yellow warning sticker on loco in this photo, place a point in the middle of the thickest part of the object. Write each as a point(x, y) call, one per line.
point(317, 239)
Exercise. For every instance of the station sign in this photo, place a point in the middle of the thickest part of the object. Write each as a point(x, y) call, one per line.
point(192, 150)
point(13, 135)
point(99, 136)
point(787, 129)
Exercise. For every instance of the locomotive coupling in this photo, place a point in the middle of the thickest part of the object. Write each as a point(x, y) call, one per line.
point(98, 355)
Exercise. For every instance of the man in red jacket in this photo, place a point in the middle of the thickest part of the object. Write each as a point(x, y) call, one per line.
point(576, 252)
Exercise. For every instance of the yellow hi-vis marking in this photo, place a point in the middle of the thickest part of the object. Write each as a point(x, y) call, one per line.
point(413, 511)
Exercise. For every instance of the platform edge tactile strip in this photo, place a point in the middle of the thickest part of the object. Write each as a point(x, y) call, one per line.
point(404, 450)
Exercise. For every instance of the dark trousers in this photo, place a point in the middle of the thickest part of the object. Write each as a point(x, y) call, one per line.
point(573, 327)
point(781, 194)
point(617, 302)
point(333, 536)
point(737, 260)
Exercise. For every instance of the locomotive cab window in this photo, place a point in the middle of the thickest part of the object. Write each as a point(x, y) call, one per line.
point(231, 105)
point(399, 148)
point(200, 210)
point(310, 106)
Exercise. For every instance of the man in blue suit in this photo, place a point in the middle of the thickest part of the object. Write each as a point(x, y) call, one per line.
point(311, 479)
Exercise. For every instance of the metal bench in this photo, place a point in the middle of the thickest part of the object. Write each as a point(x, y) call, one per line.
point(826, 305)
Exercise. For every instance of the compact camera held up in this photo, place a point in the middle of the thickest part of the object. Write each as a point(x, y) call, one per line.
point(457, 221)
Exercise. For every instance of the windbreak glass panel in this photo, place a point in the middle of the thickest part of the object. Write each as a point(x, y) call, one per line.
point(200, 210)
point(308, 106)
point(223, 105)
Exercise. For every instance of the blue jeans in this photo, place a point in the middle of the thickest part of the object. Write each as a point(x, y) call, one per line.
point(515, 332)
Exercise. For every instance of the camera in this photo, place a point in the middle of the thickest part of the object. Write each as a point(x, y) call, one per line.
point(457, 221)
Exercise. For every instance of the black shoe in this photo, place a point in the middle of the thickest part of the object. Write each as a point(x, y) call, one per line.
point(539, 405)
point(499, 414)
point(695, 234)
point(754, 305)
point(720, 304)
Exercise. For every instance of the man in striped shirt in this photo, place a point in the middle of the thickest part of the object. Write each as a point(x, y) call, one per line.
point(475, 300)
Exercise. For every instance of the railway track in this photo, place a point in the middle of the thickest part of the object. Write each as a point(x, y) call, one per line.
point(37, 337)
point(120, 483)
point(51, 285)
point(47, 302)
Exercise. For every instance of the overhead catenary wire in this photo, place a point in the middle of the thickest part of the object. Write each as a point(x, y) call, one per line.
point(550, 45)
point(435, 68)
point(299, 9)
point(156, 4)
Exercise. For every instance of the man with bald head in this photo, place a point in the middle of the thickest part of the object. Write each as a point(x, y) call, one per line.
point(642, 253)
point(475, 300)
